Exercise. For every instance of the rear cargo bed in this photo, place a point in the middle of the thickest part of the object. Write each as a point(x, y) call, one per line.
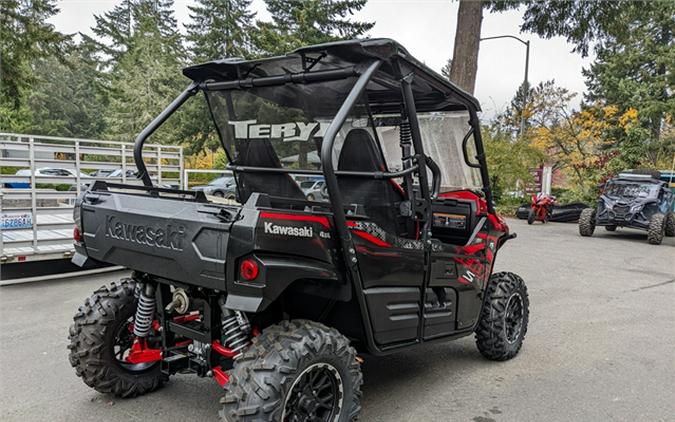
point(174, 238)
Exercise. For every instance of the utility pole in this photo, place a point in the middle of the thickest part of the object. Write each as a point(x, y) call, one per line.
point(526, 84)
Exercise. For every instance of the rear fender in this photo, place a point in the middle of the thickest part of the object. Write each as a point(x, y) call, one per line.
point(277, 274)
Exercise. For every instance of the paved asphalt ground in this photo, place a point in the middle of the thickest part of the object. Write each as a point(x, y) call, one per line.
point(600, 347)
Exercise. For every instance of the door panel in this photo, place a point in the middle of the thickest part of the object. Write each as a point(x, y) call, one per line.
point(394, 313)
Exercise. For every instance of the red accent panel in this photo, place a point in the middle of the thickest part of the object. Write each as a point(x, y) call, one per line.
point(192, 316)
point(221, 377)
point(183, 343)
point(141, 353)
point(481, 203)
point(226, 352)
point(296, 217)
point(499, 223)
point(398, 188)
point(255, 331)
point(77, 236)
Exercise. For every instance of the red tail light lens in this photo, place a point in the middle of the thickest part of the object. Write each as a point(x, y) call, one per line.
point(249, 269)
point(77, 236)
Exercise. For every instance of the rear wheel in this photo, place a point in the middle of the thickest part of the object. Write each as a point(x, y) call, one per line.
point(295, 371)
point(587, 222)
point(310, 197)
point(657, 228)
point(503, 321)
point(670, 224)
point(100, 340)
point(218, 193)
point(610, 228)
point(531, 216)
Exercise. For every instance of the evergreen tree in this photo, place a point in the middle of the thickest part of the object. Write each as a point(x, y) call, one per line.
point(445, 70)
point(296, 23)
point(220, 28)
point(67, 98)
point(635, 70)
point(147, 76)
point(115, 29)
point(24, 37)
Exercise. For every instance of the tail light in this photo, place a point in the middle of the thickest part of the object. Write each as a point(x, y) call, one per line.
point(77, 230)
point(249, 269)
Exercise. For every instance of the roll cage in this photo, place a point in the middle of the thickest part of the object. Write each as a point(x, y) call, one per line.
point(405, 86)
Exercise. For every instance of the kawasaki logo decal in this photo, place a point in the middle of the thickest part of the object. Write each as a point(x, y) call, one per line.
point(168, 237)
point(304, 231)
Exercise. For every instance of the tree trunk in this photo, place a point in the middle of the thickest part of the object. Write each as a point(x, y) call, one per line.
point(467, 40)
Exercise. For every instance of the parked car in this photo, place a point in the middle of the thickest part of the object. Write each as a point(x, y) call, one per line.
point(223, 187)
point(313, 190)
point(101, 172)
point(130, 174)
point(45, 172)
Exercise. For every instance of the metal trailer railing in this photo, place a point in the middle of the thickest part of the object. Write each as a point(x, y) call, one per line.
point(36, 204)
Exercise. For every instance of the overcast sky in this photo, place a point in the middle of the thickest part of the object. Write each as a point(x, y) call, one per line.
point(427, 29)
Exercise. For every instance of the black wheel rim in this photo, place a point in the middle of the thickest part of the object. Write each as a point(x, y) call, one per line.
point(513, 319)
point(315, 396)
point(122, 343)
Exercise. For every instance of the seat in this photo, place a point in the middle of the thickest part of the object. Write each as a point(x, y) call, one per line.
point(379, 197)
point(260, 153)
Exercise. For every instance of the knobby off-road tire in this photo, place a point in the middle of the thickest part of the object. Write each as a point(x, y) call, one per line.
point(503, 320)
point(587, 222)
point(531, 216)
point(657, 228)
point(93, 338)
point(670, 224)
point(610, 228)
point(265, 379)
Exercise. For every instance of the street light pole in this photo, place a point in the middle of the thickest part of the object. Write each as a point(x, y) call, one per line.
point(526, 83)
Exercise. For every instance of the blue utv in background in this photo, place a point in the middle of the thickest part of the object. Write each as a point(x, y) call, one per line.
point(640, 200)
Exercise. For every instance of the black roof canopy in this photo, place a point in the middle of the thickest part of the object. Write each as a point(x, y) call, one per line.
point(432, 91)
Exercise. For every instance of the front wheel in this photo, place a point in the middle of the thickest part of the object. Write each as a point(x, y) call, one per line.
point(657, 228)
point(295, 371)
point(101, 339)
point(587, 222)
point(503, 320)
point(670, 224)
point(531, 216)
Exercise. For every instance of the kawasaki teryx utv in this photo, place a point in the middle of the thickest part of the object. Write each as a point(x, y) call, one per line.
point(273, 298)
point(637, 200)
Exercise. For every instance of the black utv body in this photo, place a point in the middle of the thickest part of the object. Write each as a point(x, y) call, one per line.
point(274, 297)
point(635, 200)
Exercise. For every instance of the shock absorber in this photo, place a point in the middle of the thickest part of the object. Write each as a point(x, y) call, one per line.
point(145, 311)
point(236, 328)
